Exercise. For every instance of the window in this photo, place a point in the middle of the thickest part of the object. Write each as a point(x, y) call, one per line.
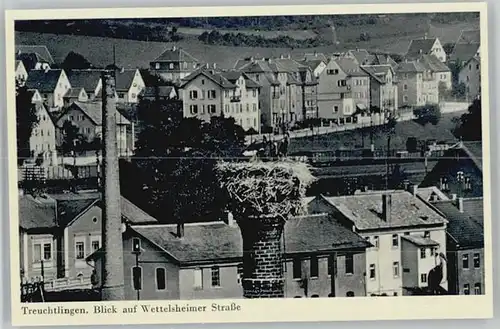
point(314, 266)
point(133, 95)
point(161, 279)
point(395, 269)
point(372, 271)
point(215, 276)
point(405, 99)
point(212, 94)
point(427, 234)
point(136, 244)
point(193, 109)
point(466, 289)
point(375, 241)
point(226, 93)
point(96, 244)
point(203, 109)
point(202, 81)
point(423, 277)
point(198, 278)
point(297, 268)
point(41, 132)
point(87, 130)
point(42, 252)
point(395, 240)
point(137, 277)
point(465, 261)
point(477, 261)
point(171, 66)
point(254, 93)
point(254, 107)
point(157, 66)
point(443, 182)
point(332, 71)
point(423, 253)
point(212, 108)
point(405, 87)
point(467, 184)
point(254, 122)
point(477, 289)
point(226, 108)
point(79, 250)
point(248, 107)
point(407, 233)
point(342, 83)
point(193, 94)
point(335, 109)
point(71, 118)
point(349, 263)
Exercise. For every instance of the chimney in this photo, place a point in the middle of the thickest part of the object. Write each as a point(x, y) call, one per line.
point(174, 48)
point(289, 56)
point(454, 197)
point(461, 204)
point(269, 60)
point(214, 65)
point(414, 189)
point(420, 51)
point(425, 36)
point(207, 65)
point(386, 207)
point(315, 54)
point(112, 269)
point(180, 230)
point(229, 219)
point(282, 56)
point(47, 69)
point(122, 70)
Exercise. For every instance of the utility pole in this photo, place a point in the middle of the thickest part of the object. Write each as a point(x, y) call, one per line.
point(112, 269)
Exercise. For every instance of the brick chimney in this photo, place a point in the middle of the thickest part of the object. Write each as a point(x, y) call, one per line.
point(180, 229)
point(112, 270)
point(386, 207)
point(229, 219)
point(460, 204)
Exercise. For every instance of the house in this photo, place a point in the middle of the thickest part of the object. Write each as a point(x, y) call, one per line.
point(362, 56)
point(52, 85)
point(87, 117)
point(204, 260)
point(34, 57)
point(36, 97)
point(426, 46)
point(89, 80)
point(431, 194)
point(129, 84)
point(314, 56)
point(159, 92)
point(58, 231)
point(383, 88)
point(316, 65)
point(40, 50)
point(459, 172)
point(21, 72)
point(381, 59)
point(207, 93)
point(465, 245)
point(406, 233)
point(470, 75)
point(469, 37)
point(441, 71)
point(463, 52)
point(415, 84)
point(174, 64)
point(75, 95)
point(43, 136)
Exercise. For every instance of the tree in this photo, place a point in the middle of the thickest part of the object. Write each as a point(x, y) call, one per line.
point(75, 61)
point(468, 126)
point(26, 120)
point(72, 139)
point(411, 144)
point(430, 113)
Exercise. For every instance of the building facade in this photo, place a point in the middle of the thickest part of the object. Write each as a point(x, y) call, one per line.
point(383, 88)
point(43, 136)
point(129, 84)
point(52, 85)
point(174, 64)
point(470, 75)
point(410, 84)
point(426, 46)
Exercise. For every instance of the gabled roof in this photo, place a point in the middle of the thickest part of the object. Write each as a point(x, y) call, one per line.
point(420, 46)
point(34, 214)
point(420, 241)
point(314, 56)
point(464, 51)
point(124, 79)
point(175, 54)
point(365, 210)
point(433, 63)
point(43, 81)
point(261, 65)
point(313, 64)
point(463, 228)
point(289, 65)
point(410, 67)
point(427, 193)
point(133, 214)
point(42, 52)
point(474, 151)
point(212, 75)
point(350, 66)
point(163, 91)
point(73, 92)
point(233, 75)
point(361, 55)
point(475, 208)
point(469, 36)
point(377, 72)
point(93, 110)
point(68, 210)
point(86, 79)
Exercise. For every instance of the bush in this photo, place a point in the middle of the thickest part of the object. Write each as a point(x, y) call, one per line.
point(411, 144)
point(430, 113)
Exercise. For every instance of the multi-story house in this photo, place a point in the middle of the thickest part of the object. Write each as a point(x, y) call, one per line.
point(43, 136)
point(159, 93)
point(430, 80)
point(362, 56)
point(174, 64)
point(426, 46)
point(406, 234)
point(470, 75)
point(36, 97)
point(129, 84)
point(89, 80)
point(462, 52)
point(87, 117)
point(459, 172)
point(52, 85)
point(465, 245)
point(381, 59)
point(204, 260)
point(57, 233)
point(207, 93)
point(21, 72)
point(34, 57)
point(316, 65)
point(442, 73)
point(410, 84)
point(383, 88)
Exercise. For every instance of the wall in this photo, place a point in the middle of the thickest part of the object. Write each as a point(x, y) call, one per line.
point(264, 99)
point(43, 136)
point(409, 261)
point(50, 265)
point(472, 275)
point(21, 73)
point(202, 84)
point(360, 88)
point(471, 76)
point(413, 93)
point(136, 87)
point(329, 93)
point(62, 87)
point(79, 119)
point(444, 77)
point(438, 51)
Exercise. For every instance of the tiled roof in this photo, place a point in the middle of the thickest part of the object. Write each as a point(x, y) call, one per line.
point(420, 46)
point(42, 51)
point(365, 210)
point(433, 63)
point(350, 66)
point(361, 55)
point(427, 192)
point(420, 241)
point(43, 81)
point(313, 64)
point(410, 67)
point(378, 72)
point(134, 214)
point(289, 65)
point(462, 227)
point(94, 111)
point(475, 208)
point(475, 151)
point(29, 60)
point(213, 75)
point(163, 91)
point(175, 55)
point(464, 51)
point(124, 79)
point(34, 214)
point(73, 92)
point(86, 79)
point(315, 56)
point(68, 210)
point(291, 80)
point(470, 36)
point(250, 83)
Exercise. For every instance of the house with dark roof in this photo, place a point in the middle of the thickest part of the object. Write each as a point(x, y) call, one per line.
point(75, 95)
point(58, 231)
point(316, 65)
point(21, 72)
point(89, 80)
point(465, 245)
point(406, 232)
point(34, 57)
point(307, 57)
point(52, 85)
point(416, 84)
point(470, 75)
point(362, 56)
point(441, 72)
point(426, 46)
point(469, 37)
point(208, 92)
point(382, 59)
point(383, 87)
point(129, 84)
point(204, 260)
point(41, 50)
point(159, 93)
point(174, 64)
point(87, 117)
point(462, 52)
point(459, 172)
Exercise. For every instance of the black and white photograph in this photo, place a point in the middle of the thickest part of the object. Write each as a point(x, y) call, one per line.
point(232, 158)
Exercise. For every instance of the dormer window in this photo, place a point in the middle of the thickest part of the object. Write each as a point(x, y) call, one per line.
point(460, 176)
point(467, 184)
point(443, 182)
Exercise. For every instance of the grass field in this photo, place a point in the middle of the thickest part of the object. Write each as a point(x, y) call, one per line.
point(354, 138)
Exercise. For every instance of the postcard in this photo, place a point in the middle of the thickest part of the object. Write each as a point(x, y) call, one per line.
point(249, 164)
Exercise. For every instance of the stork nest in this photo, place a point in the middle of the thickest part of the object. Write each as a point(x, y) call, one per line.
point(270, 189)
